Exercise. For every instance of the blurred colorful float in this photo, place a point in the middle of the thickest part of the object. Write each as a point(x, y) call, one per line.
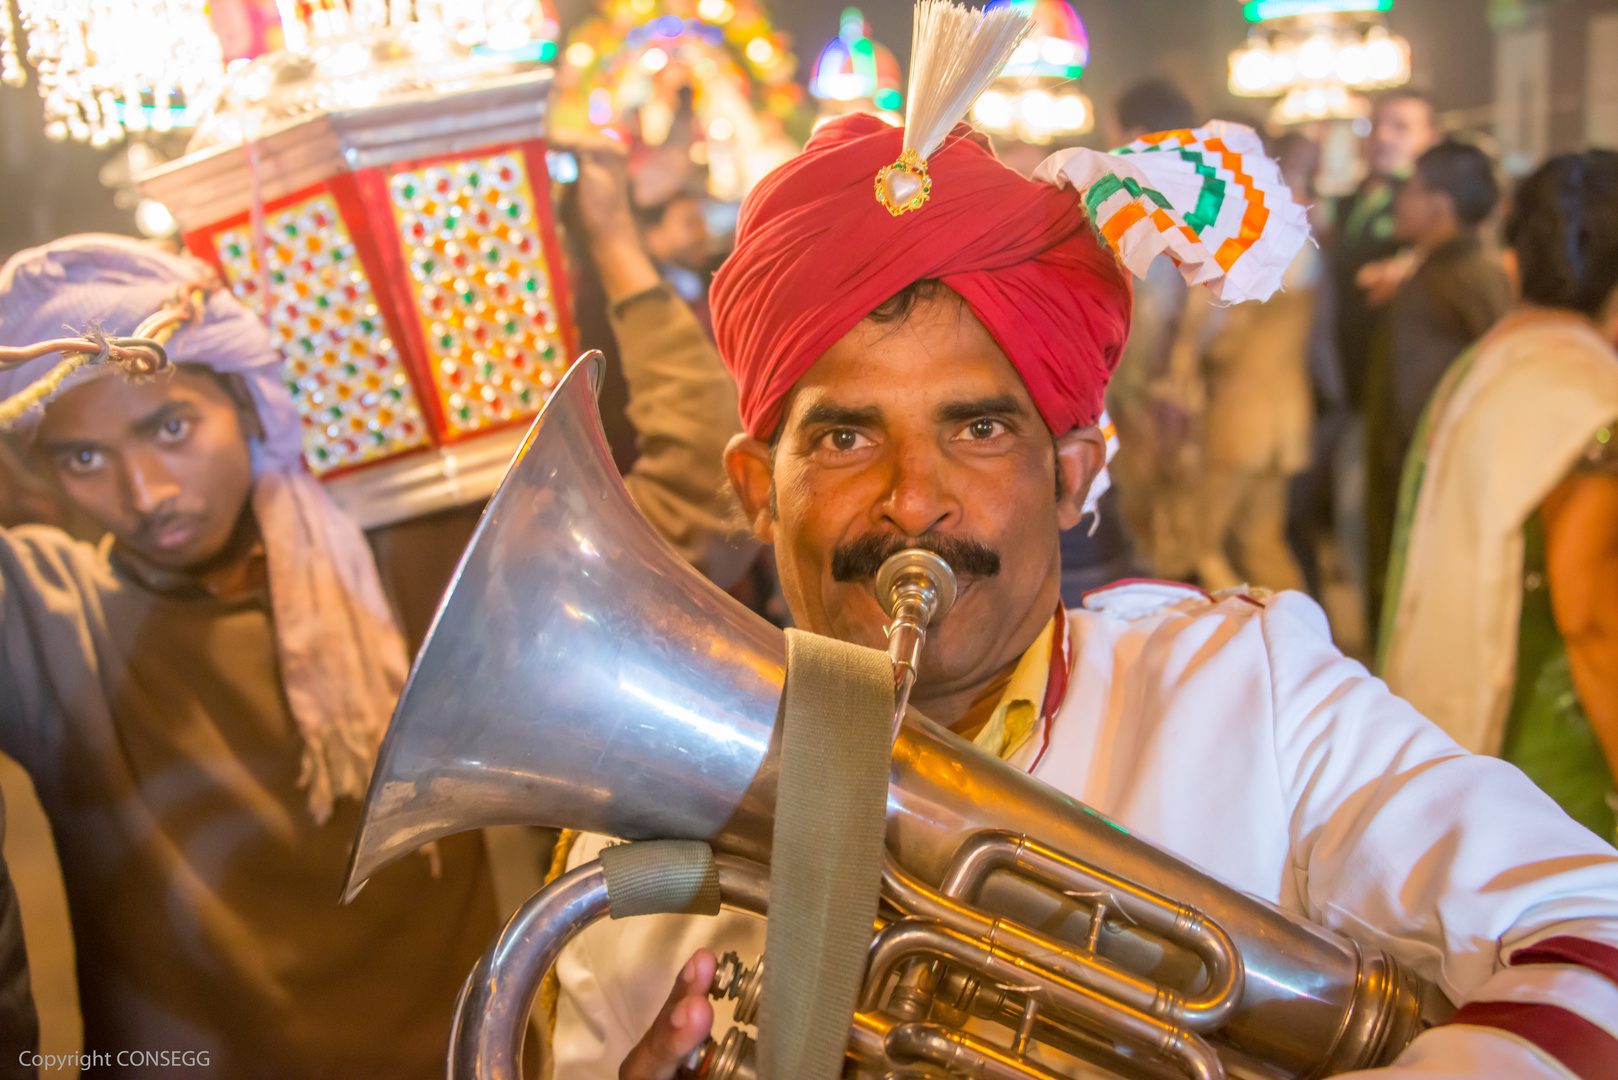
point(856, 74)
point(706, 82)
point(1036, 99)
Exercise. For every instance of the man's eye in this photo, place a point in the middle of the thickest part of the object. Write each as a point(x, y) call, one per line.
point(984, 429)
point(174, 430)
point(82, 461)
point(844, 440)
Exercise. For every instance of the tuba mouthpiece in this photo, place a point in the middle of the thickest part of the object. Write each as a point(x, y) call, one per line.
point(915, 576)
point(914, 587)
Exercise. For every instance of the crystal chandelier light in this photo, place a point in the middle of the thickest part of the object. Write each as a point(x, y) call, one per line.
point(1318, 56)
point(105, 67)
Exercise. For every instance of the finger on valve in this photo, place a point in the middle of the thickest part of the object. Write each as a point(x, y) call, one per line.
point(681, 1026)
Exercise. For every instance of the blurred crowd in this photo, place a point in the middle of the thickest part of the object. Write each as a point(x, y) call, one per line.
point(1396, 433)
point(1416, 430)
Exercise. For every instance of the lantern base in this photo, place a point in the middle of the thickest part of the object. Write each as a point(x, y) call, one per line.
point(426, 481)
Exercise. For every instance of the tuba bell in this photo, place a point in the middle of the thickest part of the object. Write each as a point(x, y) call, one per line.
point(579, 674)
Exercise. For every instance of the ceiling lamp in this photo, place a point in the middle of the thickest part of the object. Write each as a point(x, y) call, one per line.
point(105, 67)
point(855, 73)
point(1035, 99)
point(1318, 56)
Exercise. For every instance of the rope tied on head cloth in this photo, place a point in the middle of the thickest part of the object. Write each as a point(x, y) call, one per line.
point(342, 659)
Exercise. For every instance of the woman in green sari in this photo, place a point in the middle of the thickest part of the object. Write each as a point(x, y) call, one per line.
point(1501, 621)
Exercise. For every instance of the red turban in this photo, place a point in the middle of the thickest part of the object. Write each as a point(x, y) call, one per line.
point(816, 253)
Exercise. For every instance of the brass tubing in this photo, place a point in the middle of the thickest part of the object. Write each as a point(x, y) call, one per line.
point(1097, 973)
point(877, 1043)
point(991, 850)
point(909, 938)
point(993, 1003)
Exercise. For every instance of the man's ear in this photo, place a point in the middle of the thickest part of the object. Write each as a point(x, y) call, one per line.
point(1513, 269)
point(1081, 454)
point(1607, 320)
point(747, 463)
point(1452, 216)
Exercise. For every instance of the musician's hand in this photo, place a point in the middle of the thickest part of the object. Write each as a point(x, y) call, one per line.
point(685, 1021)
point(603, 192)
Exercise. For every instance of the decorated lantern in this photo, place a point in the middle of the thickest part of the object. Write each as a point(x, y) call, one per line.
point(1318, 57)
point(856, 74)
point(710, 77)
point(1035, 99)
point(384, 203)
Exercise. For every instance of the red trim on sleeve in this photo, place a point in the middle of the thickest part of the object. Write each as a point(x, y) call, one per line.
point(1584, 1048)
point(1593, 955)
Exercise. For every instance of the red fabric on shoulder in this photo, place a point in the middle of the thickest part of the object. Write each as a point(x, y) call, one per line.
point(1584, 1048)
point(816, 253)
point(1566, 949)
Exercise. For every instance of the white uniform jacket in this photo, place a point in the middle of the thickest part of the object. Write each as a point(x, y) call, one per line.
point(1234, 733)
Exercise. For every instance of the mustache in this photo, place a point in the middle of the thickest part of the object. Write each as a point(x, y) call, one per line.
point(159, 520)
point(860, 559)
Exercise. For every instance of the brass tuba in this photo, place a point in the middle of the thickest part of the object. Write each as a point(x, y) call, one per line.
point(579, 674)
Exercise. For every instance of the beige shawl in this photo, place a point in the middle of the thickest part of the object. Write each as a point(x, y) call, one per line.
point(1511, 426)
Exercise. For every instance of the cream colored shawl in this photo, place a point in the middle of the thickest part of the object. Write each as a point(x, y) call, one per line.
point(1511, 421)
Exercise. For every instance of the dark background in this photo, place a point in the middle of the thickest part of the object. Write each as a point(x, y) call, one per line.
point(50, 189)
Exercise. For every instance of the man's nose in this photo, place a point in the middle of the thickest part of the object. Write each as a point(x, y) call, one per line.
point(149, 482)
point(919, 499)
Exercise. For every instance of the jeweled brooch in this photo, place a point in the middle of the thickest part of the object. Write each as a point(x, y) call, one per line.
point(904, 185)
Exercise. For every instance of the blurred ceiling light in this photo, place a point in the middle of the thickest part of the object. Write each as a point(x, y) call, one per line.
point(1034, 98)
point(153, 219)
point(654, 59)
point(1319, 57)
point(760, 51)
point(993, 110)
point(715, 11)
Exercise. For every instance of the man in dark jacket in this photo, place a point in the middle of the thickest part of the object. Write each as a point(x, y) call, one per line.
point(1456, 292)
point(1402, 130)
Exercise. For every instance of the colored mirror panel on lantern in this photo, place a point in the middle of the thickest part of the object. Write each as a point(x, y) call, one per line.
point(342, 369)
point(483, 290)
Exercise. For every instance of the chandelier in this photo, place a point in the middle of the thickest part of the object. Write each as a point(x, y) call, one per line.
point(106, 67)
point(1035, 99)
point(1318, 56)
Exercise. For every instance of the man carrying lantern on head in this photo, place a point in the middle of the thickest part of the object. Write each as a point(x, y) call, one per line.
point(199, 698)
point(923, 364)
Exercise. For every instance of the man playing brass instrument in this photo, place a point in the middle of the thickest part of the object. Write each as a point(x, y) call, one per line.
point(934, 378)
